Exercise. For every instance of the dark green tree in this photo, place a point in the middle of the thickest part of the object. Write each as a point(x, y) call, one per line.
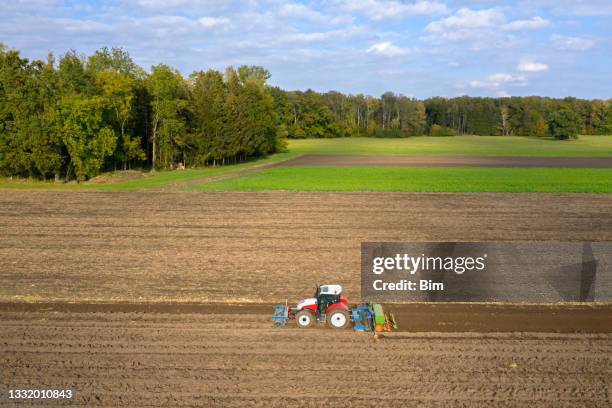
point(29, 141)
point(565, 124)
point(208, 96)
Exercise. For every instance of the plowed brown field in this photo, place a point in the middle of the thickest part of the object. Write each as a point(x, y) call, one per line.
point(249, 247)
point(180, 360)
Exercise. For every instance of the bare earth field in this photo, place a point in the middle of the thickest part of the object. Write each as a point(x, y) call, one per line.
point(248, 247)
point(162, 299)
point(238, 360)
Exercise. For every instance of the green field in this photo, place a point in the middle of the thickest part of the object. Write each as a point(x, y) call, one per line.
point(398, 179)
point(434, 179)
point(420, 179)
point(458, 145)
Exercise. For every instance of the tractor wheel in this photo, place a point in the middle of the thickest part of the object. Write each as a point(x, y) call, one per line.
point(305, 318)
point(338, 319)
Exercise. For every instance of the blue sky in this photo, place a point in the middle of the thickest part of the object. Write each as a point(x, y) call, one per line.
point(418, 48)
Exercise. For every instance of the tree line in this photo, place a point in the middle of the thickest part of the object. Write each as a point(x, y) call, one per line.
point(81, 115)
point(332, 114)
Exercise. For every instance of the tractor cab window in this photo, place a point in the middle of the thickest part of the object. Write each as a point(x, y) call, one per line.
point(323, 301)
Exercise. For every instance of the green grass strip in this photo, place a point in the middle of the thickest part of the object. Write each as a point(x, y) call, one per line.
point(420, 179)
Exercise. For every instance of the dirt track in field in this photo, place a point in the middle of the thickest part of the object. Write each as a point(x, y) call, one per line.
point(248, 247)
point(178, 360)
point(186, 185)
point(450, 161)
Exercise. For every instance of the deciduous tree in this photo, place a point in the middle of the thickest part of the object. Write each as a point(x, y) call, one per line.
point(87, 139)
point(565, 124)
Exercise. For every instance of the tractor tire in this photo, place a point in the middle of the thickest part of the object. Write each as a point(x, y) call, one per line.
point(305, 318)
point(338, 319)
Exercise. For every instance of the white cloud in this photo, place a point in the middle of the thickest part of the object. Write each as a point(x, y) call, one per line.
point(496, 81)
point(323, 35)
point(467, 19)
point(387, 49)
point(520, 25)
point(466, 24)
point(532, 66)
point(161, 4)
point(391, 9)
point(82, 26)
point(498, 78)
point(210, 22)
point(572, 43)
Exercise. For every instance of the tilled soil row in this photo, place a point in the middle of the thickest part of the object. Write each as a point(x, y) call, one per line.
point(155, 359)
point(411, 317)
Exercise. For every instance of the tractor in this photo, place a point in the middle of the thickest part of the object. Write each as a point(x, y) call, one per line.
point(329, 305)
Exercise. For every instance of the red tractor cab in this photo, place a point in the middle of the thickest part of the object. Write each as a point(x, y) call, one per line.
point(328, 304)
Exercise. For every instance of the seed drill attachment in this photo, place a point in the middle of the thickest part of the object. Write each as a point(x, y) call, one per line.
point(372, 317)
